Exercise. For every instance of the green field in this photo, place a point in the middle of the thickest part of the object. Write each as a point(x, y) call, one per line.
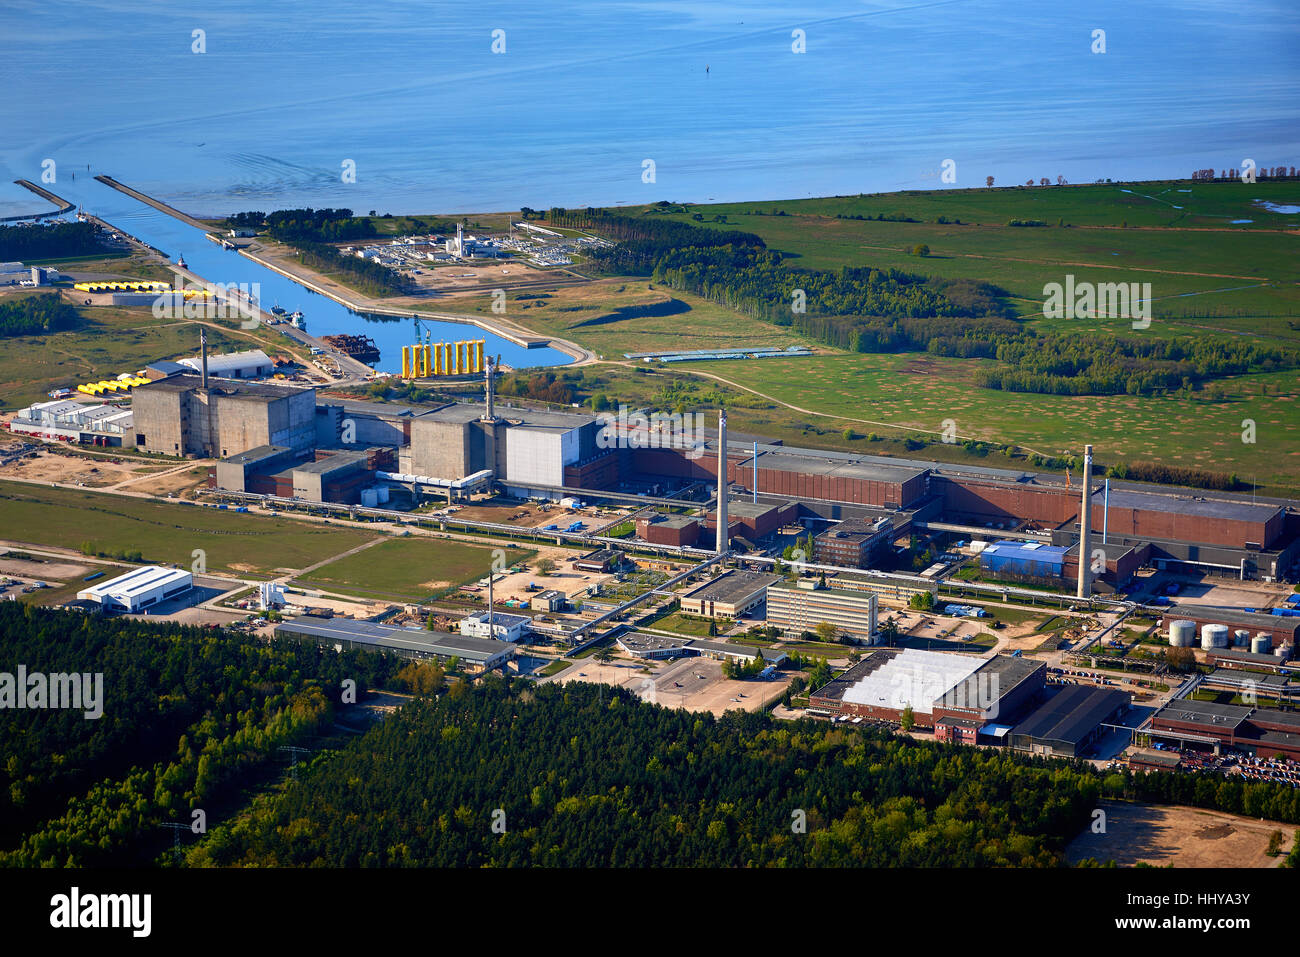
point(165, 533)
point(916, 393)
point(690, 625)
point(410, 568)
point(1209, 278)
point(111, 340)
point(588, 315)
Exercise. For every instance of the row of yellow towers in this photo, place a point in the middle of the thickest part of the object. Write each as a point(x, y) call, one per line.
point(442, 358)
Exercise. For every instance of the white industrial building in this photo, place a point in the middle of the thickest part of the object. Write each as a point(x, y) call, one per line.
point(536, 454)
point(253, 364)
point(502, 627)
point(138, 590)
point(913, 678)
point(67, 421)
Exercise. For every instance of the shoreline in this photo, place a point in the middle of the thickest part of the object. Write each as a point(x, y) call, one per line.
point(518, 335)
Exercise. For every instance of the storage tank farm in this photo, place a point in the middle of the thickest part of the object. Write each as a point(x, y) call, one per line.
point(1214, 636)
point(1182, 634)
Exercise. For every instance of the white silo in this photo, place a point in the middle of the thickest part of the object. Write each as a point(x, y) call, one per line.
point(1182, 634)
point(1261, 644)
point(1214, 636)
point(1240, 637)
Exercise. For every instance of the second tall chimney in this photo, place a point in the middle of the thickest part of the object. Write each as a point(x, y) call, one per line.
point(1085, 522)
point(203, 354)
point(724, 540)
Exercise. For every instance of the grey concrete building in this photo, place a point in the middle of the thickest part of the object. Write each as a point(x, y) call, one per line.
point(177, 416)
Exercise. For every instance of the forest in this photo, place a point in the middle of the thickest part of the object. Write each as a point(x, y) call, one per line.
point(498, 773)
point(510, 774)
point(579, 776)
point(189, 716)
point(36, 315)
point(51, 241)
point(307, 225)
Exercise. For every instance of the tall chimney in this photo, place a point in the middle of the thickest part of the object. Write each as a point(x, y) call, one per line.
point(1085, 521)
point(724, 540)
point(490, 414)
point(203, 354)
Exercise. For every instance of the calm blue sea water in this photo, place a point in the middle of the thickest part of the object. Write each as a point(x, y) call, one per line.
point(435, 122)
point(586, 91)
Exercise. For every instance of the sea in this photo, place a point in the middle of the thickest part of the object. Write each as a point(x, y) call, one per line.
point(439, 107)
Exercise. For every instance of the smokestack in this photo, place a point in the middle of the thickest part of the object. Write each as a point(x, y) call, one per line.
point(490, 414)
point(203, 354)
point(724, 540)
point(1085, 520)
point(755, 473)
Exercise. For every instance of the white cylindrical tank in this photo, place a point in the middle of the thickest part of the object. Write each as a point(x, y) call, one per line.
point(1214, 636)
point(369, 497)
point(383, 494)
point(1285, 651)
point(1240, 637)
point(1261, 644)
point(1182, 634)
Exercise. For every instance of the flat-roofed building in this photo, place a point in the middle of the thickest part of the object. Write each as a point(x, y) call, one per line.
point(728, 596)
point(802, 606)
point(502, 627)
point(852, 543)
point(835, 477)
point(549, 600)
point(139, 589)
point(958, 693)
point(416, 643)
point(1069, 721)
point(1267, 732)
point(177, 416)
point(660, 529)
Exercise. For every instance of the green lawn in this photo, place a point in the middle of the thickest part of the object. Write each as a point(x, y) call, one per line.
point(690, 625)
point(167, 533)
point(410, 568)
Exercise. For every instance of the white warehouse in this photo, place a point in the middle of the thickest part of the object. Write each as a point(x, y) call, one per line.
point(140, 589)
point(253, 364)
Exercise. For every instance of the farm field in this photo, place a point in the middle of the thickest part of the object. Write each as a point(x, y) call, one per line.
point(410, 568)
point(165, 533)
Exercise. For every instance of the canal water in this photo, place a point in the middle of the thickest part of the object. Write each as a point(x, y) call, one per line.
point(323, 315)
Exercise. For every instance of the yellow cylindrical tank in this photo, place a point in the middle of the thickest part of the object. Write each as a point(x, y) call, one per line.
point(406, 362)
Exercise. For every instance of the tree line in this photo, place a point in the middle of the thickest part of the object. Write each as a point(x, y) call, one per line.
point(36, 315)
point(51, 241)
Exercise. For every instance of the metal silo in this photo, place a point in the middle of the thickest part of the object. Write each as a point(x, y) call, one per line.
point(1182, 634)
point(1214, 636)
